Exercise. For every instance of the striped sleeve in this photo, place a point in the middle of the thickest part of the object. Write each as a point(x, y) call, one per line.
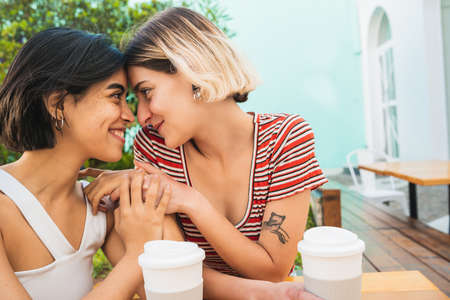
point(295, 167)
point(143, 150)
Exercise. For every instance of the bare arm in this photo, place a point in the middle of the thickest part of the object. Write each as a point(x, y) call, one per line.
point(268, 259)
point(273, 255)
point(136, 222)
point(114, 250)
point(9, 284)
point(218, 286)
point(121, 282)
point(171, 230)
point(11, 287)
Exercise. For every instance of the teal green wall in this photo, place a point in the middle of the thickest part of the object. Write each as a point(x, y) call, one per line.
point(307, 54)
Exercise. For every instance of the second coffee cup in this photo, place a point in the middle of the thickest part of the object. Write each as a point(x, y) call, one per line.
point(172, 270)
point(332, 263)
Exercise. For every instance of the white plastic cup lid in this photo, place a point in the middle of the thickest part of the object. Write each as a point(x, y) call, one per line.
point(162, 254)
point(327, 241)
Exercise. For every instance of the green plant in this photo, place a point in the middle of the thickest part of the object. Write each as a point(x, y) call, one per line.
point(115, 18)
point(309, 224)
point(7, 156)
point(214, 12)
point(21, 19)
point(102, 266)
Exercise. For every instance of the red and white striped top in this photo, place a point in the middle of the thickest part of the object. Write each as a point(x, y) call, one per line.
point(283, 164)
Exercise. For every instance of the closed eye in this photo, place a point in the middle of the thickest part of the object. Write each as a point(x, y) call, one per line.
point(117, 96)
point(145, 91)
point(118, 90)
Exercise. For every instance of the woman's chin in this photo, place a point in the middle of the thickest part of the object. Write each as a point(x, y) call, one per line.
point(110, 157)
point(170, 144)
point(173, 143)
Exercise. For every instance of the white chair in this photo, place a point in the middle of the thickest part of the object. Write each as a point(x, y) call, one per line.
point(368, 185)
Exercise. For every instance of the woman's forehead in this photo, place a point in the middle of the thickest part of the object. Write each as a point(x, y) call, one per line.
point(118, 78)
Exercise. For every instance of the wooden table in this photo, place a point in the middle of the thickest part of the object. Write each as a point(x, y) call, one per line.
point(415, 172)
point(402, 285)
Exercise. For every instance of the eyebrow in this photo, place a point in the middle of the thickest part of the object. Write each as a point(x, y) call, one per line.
point(116, 86)
point(136, 87)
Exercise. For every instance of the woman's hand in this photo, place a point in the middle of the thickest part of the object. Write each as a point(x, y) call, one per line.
point(140, 215)
point(282, 290)
point(184, 198)
point(104, 190)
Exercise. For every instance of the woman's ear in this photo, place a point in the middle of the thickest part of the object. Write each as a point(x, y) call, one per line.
point(55, 104)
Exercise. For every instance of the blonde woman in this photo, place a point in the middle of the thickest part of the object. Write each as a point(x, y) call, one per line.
point(241, 181)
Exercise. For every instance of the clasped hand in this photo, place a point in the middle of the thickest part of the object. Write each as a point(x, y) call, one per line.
point(143, 204)
point(106, 186)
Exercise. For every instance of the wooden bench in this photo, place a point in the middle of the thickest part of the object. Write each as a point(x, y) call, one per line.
point(326, 207)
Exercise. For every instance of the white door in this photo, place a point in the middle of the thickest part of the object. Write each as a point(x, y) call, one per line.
point(446, 37)
point(388, 103)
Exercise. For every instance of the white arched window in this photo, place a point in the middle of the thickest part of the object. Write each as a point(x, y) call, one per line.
point(385, 58)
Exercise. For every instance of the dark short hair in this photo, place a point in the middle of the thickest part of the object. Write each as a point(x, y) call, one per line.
point(61, 60)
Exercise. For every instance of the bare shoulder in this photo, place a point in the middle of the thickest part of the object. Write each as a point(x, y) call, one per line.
point(6, 204)
point(8, 210)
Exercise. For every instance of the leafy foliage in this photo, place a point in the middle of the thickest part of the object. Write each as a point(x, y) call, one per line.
point(310, 223)
point(22, 19)
point(116, 18)
point(212, 10)
point(101, 265)
point(7, 156)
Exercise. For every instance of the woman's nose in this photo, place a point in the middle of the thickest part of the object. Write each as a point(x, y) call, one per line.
point(143, 114)
point(127, 114)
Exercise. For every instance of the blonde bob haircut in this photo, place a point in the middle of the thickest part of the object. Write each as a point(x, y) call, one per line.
point(179, 39)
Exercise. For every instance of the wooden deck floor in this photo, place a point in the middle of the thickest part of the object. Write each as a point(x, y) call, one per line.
point(396, 242)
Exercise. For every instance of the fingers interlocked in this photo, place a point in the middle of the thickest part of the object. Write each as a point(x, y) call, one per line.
point(107, 183)
point(141, 208)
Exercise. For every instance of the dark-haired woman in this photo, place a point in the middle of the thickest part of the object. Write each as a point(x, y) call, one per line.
point(62, 102)
point(241, 181)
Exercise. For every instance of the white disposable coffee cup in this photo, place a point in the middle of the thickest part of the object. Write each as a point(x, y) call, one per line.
point(171, 268)
point(332, 262)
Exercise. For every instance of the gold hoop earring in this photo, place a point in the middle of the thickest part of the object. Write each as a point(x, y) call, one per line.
point(59, 124)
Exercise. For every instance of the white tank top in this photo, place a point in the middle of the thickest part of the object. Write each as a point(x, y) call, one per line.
point(70, 275)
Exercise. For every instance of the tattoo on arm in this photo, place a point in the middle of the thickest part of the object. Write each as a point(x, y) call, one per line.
point(274, 224)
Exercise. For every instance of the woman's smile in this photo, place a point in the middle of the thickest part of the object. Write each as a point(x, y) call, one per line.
point(158, 125)
point(118, 133)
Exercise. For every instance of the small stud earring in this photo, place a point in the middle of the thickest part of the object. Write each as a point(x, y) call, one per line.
point(197, 94)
